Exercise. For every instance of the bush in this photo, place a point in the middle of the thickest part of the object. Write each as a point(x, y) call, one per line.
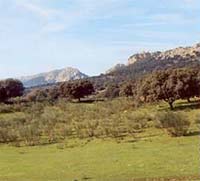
point(4, 108)
point(7, 136)
point(112, 91)
point(136, 121)
point(197, 119)
point(176, 124)
point(30, 134)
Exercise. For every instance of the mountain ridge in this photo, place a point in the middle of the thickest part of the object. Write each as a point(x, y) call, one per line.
point(180, 52)
point(51, 77)
point(177, 57)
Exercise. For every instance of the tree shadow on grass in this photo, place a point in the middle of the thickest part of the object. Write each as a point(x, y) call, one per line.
point(86, 101)
point(89, 101)
point(195, 105)
point(194, 133)
point(87, 178)
point(182, 106)
point(191, 102)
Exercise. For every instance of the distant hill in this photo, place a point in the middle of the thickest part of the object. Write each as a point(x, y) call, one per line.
point(53, 77)
point(146, 62)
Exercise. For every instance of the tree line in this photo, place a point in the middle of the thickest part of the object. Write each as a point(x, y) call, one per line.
point(168, 85)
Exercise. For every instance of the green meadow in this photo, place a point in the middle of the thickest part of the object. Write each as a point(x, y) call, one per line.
point(148, 154)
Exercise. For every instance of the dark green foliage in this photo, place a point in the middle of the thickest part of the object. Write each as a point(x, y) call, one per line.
point(169, 85)
point(176, 124)
point(10, 88)
point(77, 89)
point(3, 95)
point(187, 83)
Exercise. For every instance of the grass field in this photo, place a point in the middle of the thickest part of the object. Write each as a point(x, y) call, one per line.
point(149, 155)
point(159, 156)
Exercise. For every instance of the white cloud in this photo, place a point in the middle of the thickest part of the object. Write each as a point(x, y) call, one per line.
point(80, 11)
point(37, 9)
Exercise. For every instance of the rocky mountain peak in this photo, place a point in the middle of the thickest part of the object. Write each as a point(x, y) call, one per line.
point(54, 76)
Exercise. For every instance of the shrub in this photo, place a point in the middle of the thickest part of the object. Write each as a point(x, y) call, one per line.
point(176, 124)
point(136, 121)
point(60, 146)
point(41, 95)
point(112, 91)
point(4, 108)
point(197, 119)
point(7, 136)
point(30, 134)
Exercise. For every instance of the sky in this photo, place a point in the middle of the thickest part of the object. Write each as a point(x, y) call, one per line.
point(91, 35)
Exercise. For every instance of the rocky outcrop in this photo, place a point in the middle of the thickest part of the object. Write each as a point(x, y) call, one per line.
point(176, 55)
point(147, 62)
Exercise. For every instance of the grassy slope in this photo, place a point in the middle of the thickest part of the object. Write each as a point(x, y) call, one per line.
point(103, 160)
point(156, 156)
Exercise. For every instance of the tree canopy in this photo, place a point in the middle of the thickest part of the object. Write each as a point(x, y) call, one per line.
point(10, 88)
point(169, 85)
point(77, 89)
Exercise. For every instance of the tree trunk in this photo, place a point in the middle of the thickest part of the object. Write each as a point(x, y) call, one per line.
point(188, 99)
point(171, 105)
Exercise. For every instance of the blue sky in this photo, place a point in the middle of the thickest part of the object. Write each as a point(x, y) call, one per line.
point(92, 35)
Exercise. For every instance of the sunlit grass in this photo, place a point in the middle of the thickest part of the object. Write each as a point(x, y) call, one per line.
point(159, 156)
